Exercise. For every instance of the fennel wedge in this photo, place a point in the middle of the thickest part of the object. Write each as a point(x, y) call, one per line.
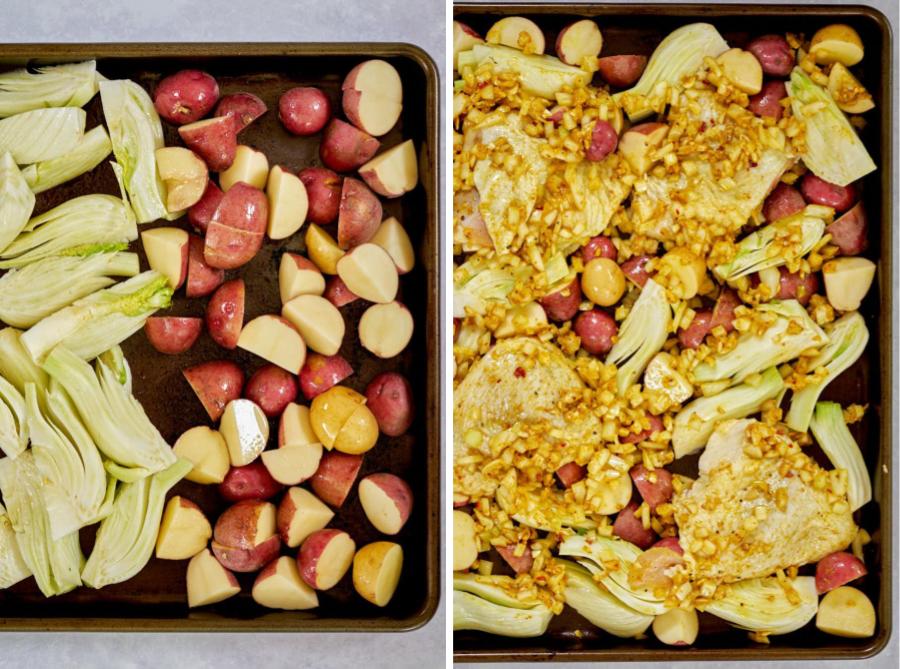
point(85, 156)
point(830, 430)
point(16, 364)
point(471, 612)
point(42, 134)
point(16, 201)
point(12, 567)
point(599, 606)
point(13, 423)
point(67, 85)
point(762, 605)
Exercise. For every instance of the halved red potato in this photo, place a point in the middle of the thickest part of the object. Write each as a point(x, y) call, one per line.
point(225, 313)
point(335, 477)
point(201, 278)
point(373, 96)
point(249, 166)
point(520, 564)
point(213, 139)
point(517, 32)
point(392, 237)
point(298, 276)
point(279, 586)
point(579, 42)
point(245, 430)
point(322, 372)
point(244, 537)
point(819, 191)
point(322, 249)
point(337, 293)
point(172, 334)
point(389, 398)
point(369, 272)
point(774, 54)
point(288, 203)
point(783, 201)
point(654, 486)
point(386, 329)
point(604, 140)
point(204, 448)
point(293, 464)
point(301, 513)
point(243, 107)
point(621, 71)
point(202, 212)
point(638, 143)
point(846, 612)
point(325, 557)
point(184, 174)
point(359, 215)
point(386, 500)
point(563, 304)
point(850, 232)
point(671, 543)
point(318, 321)
point(636, 269)
point(167, 252)
point(393, 172)
point(376, 571)
point(208, 581)
point(294, 427)
point(464, 38)
point(273, 338)
point(323, 188)
point(570, 474)
point(837, 569)
point(465, 541)
point(183, 531)
point(230, 248)
point(185, 96)
point(247, 559)
point(345, 148)
point(243, 207)
point(630, 528)
point(272, 388)
point(251, 481)
point(215, 383)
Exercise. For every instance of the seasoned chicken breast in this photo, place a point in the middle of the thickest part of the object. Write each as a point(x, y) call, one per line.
point(746, 517)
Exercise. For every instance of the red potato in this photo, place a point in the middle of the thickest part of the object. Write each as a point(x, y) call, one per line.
point(797, 286)
point(768, 101)
point(184, 175)
point(298, 275)
point(323, 188)
point(321, 372)
point(570, 474)
point(516, 32)
point(275, 340)
point(335, 477)
point(215, 383)
point(208, 581)
point(819, 191)
point(636, 269)
point(596, 329)
point(359, 214)
point(671, 543)
point(599, 247)
point(167, 250)
point(244, 108)
point(464, 38)
point(186, 96)
point(850, 232)
point(782, 202)
point(172, 335)
point(630, 528)
point(272, 388)
point(225, 313)
point(243, 207)
point(389, 398)
point(774, 54)
point(247, 559)
point(373, 96)
point(244, 537)
point(294, 428)
point(654, 567)
point(304, 110)
point(230, 248)
point(213, 139)
point(694, 334)
point(201, 278)
point(393, 172)
point(459, 501)
point(325, 557)
point(251, 481)
point(563, 304)
point(604, 141)
point(300, 513)
point(556, 114)
point(202, 212)
point(292, 464)
point(387, 502)
point(579, 41)
point(520, 564)
point(279, 586)
point(656, 425)
point(345, 148)
point(337, 293)
point(621, 71)
point(654, 492)
point(183, 530)
point(838, 569)
point(723, 311)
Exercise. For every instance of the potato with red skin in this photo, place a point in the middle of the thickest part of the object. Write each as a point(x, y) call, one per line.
point(243, 107)
point(596, 329)
point(723, 311)
point(335, 477)
point(656, 425)
point(768, 101)
point(621, 71)
point(372, 96)
point(213, 139)
point(245, 524)
point(230, 248)
point(359, 214)
point(236, 230)
point(272, 389)
point(201, 278)
point(819, 191)
point(215, 383)
point(782, 202)
point(600, 246)
point(202, 212)
point(304, 110)
point(774, 54)
point(321, 372)
point(652, 492)
point(570, 474)
point(520, 564)
point(389, 398)
point(337, 293)
point(563, 304)
point(630, 528)
point(604, 141)
point(225, 313)
point(796, 286)
point(635, 269)
point(850, 232)
point(838, 569)
point(247, 559)
point(387, 501)
point(345, 147)
point(186, 96)
point(171, 334)
point(329, 548)
point(671, 543)
point(694, 334)
point(251, 481)
point(323, 188)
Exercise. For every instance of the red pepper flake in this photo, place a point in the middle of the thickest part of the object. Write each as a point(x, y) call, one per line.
point(520, 373)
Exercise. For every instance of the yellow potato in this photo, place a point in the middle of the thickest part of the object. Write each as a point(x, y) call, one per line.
point(359, 433)
point(836, 43)
point(331, 410)
point(322, 249)
point(603, 282)
point(376, 571)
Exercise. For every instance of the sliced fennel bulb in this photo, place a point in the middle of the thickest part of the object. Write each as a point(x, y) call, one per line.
point(540, 75)
point(16, 365)
point(471, 612)
point(830, 430)
point(38, 290)
point(761, 605)
point(599, 606)
point(13, 423)
point(488, 587)
point(68, 85)
point(42, 134)
point(84, 157)
point(16, 201)
point(12, 567)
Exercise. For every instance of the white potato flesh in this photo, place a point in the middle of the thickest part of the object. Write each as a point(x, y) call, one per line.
point(370, 273)
point(386, 329)
point(318, 321)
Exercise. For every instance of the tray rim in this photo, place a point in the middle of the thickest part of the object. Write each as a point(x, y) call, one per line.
point(38, 51)
point(886, 261)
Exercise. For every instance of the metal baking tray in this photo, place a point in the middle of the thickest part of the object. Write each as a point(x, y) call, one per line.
point(155, 599)
point(637, 29)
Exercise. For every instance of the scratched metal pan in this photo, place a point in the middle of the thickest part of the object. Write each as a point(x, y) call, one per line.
point(155, 599)
point(637, 29)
